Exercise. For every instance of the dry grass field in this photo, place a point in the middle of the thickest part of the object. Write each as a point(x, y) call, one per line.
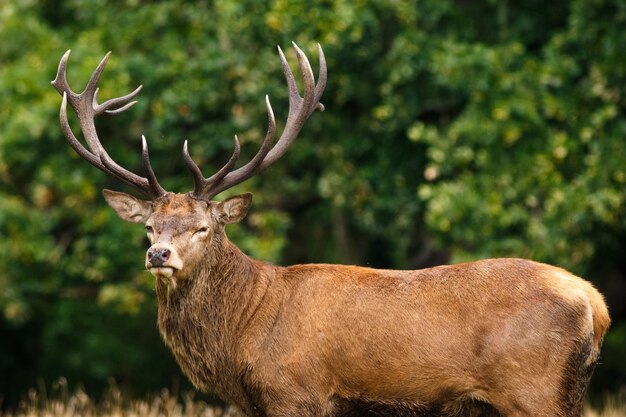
point(62, 403)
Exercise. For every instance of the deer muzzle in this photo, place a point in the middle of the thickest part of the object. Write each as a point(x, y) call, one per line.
point(162, 260)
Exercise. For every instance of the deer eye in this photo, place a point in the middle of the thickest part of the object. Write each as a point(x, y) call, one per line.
point(149, 229)
point(201, 230)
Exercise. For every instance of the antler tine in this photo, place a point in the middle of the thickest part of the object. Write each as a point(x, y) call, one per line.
point(198, 178)
point(92, 85)
point(300, 109)
point(155, 187)
point(86, 107)
point(294, 96)
point(217, 177)
point(203, 184)
point(60, 81)
point(124, 101)
point(321, 78)
point(308, 82)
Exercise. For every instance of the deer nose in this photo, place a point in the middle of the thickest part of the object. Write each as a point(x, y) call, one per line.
point(158, 256)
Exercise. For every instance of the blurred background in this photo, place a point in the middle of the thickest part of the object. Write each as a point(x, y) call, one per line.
point(453, 131)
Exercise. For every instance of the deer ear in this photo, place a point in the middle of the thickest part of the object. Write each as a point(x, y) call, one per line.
point(128, 207)
point(233, 209)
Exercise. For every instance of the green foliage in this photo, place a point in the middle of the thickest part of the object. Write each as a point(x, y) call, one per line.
point(461, 129)
point(541, 171)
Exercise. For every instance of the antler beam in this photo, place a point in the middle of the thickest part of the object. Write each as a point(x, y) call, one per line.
point(86, 107)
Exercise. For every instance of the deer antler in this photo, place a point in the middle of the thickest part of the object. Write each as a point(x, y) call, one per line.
point(300, 109)
point(86, 107)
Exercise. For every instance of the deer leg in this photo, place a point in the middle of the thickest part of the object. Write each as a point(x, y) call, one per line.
point(567, 397)
point(576, 377)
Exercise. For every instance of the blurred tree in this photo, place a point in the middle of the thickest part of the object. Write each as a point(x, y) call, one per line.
point(453, 129)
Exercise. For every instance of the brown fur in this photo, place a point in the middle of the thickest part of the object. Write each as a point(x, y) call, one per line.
point(505, 337)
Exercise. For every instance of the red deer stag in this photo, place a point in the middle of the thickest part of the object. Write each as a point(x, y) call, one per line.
point(495, 337)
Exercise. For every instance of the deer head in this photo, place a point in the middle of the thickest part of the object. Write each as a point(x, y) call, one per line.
point(184, 229)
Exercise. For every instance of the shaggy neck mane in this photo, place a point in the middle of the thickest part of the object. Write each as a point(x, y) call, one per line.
point(203, 317)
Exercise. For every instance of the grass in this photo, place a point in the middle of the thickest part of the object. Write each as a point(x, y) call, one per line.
point(62, 403)
point(613, 407)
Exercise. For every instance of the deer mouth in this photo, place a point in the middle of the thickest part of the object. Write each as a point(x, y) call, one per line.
point(162, 271)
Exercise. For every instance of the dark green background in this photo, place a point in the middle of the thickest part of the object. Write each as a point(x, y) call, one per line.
point(454, 130)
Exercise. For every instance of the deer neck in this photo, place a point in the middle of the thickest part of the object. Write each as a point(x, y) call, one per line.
point(203, 319)
point(217, 292)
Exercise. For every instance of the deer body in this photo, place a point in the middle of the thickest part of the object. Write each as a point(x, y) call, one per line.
point(327, 338)
point(499, 337)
